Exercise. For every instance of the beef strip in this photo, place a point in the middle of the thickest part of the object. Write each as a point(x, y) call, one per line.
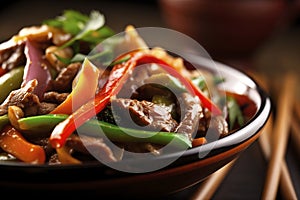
point(144, 113)
point(12, 55)
point(55, 97)
point(217, 125)
point(204, 123)
point(63, 82)
point(86, 145)
point(135, 85)
point(23, 98)
point(46, 108)
point(220, 125)
point(191, 113)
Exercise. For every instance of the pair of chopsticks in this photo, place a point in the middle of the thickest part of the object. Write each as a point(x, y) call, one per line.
point(273, 146)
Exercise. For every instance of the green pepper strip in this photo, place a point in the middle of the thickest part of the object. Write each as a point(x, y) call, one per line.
point(3, 121)
point(10, 81)
point(93, 127)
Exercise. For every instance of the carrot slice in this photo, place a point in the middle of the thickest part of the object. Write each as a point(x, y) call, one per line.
point(199, 141)
point(14, 143)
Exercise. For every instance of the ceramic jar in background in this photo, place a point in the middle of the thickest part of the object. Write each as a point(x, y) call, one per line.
point(226, 28)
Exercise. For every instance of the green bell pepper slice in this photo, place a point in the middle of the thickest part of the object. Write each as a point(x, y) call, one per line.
point(3, 121)
point(10, 81)
point(45, 124)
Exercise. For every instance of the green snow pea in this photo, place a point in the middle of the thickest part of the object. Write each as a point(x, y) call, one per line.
point(45, 124)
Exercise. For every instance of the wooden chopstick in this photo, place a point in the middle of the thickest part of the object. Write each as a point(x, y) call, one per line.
point(295, 134)
point(211, 184)
point(297, 109)
point(280, 136)
point(286, 184)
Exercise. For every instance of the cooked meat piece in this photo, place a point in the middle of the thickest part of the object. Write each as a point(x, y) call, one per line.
point(191, 113)
point(91, 145)
point(144, 113)
point(220, 125)
point(63, 82)
point(12, 54)
point(135, 81)
point(141, 147)
point(212, 127)
point(55, 97)
point(135, 86)
point(23, 98)
point(46, 108)
point(204, 123)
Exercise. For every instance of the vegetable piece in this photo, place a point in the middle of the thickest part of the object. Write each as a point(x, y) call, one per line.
point(36, 68)
point(14, 143)
point(118, 75)
point(200, 82)
point(10, 81)
point(169, 81)
point(84, 90)
point(234, 113)
point(65, 157)
point(3, 121)
point(54, 55)
point(70, 21)
point(94, 22)
point(206, 102)
point(199, 141)
point(40, 123)
point(117, 134)
point(188, 83)
point(14, 114)
point(91, 127)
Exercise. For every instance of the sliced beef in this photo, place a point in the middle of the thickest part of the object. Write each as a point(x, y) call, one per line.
point(12, 55)
point(63, 82)
point(135, 85)
point(91, 145)
point(144, 113)
point(55, 97)
point(191, 113)
point(23, 98)
point(216, 126)
point(45, 108)
point(220, 125)
point(204, 123)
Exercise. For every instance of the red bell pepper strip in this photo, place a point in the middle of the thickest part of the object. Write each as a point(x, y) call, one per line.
point(206, 102)
point(118, 75)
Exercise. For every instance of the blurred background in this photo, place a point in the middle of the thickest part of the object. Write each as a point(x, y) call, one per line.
point(257, 35)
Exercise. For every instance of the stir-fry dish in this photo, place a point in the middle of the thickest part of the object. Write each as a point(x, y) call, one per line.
point(55, 95)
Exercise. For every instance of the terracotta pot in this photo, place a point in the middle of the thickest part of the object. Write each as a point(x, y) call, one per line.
point(229, 28)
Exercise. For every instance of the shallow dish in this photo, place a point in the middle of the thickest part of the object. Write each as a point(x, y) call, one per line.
point(191, 167)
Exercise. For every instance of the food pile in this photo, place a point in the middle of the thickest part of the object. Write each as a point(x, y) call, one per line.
point(141, 100)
